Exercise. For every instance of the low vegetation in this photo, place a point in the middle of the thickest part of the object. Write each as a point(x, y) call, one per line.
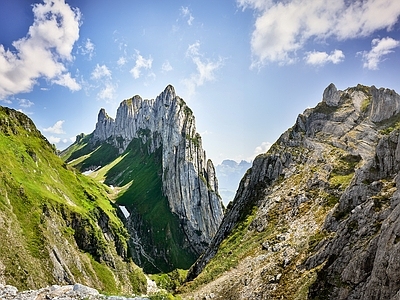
point(42, 200)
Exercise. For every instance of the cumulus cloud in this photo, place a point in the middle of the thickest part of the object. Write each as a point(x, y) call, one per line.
point(101, 72)
point(107, 92)
point(380, 48)
point(67, 81)
point(186, 13)
point(103, 75)
point(56, 128)
point(282, 28)
point(205, 68)
point(43, 52)
point(264, 147)
point(141, 63)
point(122, 61)
point(53, 139)
point(166, 66)
point(321, 58)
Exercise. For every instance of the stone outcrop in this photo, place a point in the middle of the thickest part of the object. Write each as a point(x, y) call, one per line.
point(67, 292)
point(167, 125)
point(321, 207)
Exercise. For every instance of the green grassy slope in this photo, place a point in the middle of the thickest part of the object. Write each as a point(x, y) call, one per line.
point(138, 178)
point(56, 225)
point(159, 227)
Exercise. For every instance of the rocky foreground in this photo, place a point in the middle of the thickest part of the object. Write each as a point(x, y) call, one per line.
point(56, 292)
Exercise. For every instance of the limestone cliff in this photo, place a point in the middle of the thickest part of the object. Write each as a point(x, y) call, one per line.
point(317, 216)
point(163, 129)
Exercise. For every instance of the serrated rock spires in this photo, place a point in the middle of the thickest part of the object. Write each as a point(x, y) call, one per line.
point(189, 180)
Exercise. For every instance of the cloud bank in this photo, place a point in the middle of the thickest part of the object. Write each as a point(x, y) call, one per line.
point(284, 27)
point(44, 51)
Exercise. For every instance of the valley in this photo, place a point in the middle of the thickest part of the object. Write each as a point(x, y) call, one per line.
point(315, 217)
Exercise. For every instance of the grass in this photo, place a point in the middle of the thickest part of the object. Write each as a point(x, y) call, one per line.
point(170, 281)
point(232, 250)
point(37, 190)
point(144, 197)
point(137, 174)
point(105, 276)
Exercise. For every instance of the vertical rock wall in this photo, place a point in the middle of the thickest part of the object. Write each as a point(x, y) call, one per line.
point(189, 180)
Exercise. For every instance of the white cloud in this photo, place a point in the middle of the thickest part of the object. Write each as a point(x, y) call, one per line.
point(100, 72)
point(7, 101)
point(321, 58)
point(103, 75)
point(122, 61)
point(56, 128)
point(67, 81)
point(141, 63)
point(166, 66)
point(43, 52)
point(108, 92)
point(264, 147)
point(87, 49)
point(186, 13)
point(282, 28)
point(380, 48)
point(53, 139)
point(205, 68)
point(25, 103)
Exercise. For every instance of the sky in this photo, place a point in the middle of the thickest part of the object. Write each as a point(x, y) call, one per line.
point(246, 68)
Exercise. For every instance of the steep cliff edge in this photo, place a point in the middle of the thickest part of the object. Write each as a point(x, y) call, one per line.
point(154, 154)
point(316, 217)
point(56, 225)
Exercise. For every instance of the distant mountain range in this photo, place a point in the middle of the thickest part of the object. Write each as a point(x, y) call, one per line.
point(229, 174)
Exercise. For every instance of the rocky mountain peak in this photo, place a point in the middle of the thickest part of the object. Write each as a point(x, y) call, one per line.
point(385, 104)
point(165, 127)
point(317, 216)
point(331, 95)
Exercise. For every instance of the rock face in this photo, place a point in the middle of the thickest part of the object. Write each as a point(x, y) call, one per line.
point(317, 216)
point(166, 129)
point(67, 292)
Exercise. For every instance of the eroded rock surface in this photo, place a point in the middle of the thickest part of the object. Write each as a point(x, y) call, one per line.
point(317, 216)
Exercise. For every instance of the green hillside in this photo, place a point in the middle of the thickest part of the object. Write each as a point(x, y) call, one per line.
point(137, 176)
point(56, 225)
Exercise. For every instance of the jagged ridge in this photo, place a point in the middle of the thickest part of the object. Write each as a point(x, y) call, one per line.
point(166, 128)
point(316, 217)
point(56, 226)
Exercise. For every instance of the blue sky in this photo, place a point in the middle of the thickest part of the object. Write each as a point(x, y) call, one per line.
point(247, 68)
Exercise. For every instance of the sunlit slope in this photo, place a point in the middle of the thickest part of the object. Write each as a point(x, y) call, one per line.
point(135, 178)
point(57, 226)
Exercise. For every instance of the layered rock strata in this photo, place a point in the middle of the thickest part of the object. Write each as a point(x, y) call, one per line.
point(317, 215)
point(188, 178)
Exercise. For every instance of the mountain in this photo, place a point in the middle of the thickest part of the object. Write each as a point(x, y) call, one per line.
point(153, 157)
point(56, 225)
point(317, 216)
point(229, 173)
